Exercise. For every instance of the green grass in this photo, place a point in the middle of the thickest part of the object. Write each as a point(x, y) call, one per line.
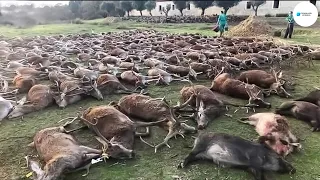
point(17, 133)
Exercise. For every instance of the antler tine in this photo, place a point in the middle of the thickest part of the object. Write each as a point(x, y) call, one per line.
point(222, 69)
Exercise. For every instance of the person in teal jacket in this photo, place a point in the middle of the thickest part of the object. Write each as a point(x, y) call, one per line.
point(289, 29)
point(222, 22)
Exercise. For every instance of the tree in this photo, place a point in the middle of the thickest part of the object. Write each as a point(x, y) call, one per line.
point(108, 7)
point(226, 5)
point(180, 5)
point(150, 5)
point(203, 5)
point(139, 6)
point(167, 9)
point(75, 7)
point(127, 6)
point(90, 9)
point(255, 5)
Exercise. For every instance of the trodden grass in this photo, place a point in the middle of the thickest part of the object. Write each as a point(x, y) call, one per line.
point(17, 133)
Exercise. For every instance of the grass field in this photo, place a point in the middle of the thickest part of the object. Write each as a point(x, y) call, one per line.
point(17, 133)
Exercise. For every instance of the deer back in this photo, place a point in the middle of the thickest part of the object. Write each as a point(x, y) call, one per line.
point(40, 95)
point(257, 77)
point(144, 107)
point(110, 122)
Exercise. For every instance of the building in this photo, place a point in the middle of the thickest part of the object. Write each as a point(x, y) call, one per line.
point(243, 8)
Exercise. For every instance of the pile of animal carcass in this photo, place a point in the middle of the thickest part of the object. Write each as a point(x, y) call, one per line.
point(113, 62)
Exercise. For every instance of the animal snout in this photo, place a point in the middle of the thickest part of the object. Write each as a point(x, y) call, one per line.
point(201, 127)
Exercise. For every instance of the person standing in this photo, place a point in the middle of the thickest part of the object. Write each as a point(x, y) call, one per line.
point(222, 22)
point(289, 29)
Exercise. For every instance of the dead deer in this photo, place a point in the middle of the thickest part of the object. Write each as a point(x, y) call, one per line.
point(40, 96)
point(265, 80)
point(154, 109)
point(183, 71)
point(5, 108)
point(301, 110)
point(224, 84)
point(113, 126)
point(135, 79)
point(60, 152)
point(274, 131)
point(164, 77)
point(108, 84)
point(23, 83)
point(207, 105)
point(73, 91)
point(85, 74)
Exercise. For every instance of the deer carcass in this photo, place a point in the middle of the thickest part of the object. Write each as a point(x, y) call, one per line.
point(206, 104)
point(108, 84)
point(224, 84)
point(164, 77)
point(265, 80)
point(114, 127)
point(5, 108)
point(73, 91)
point(60, 152)
point(152, 109)
point(274, 131)
point(85, 74)
point(40, 97)
point(301, 110)
point(227, 150)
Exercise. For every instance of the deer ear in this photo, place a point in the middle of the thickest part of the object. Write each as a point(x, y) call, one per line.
point(35, 168)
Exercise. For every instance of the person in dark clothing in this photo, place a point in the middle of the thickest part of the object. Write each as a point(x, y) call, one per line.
point(290, 25)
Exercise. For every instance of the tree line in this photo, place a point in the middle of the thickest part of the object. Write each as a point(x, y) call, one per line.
point(99, 9)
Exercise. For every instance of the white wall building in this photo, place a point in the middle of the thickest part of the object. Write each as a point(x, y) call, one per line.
point(270, 7)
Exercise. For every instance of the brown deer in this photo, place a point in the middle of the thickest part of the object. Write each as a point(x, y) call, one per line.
point(85, 74)
point(112, 126)
point(164, 77)
point(153, 109)
point(207, 105)
point(60, 152)
point(73, 91)
point(23, 83)
point(135, 79)
point(108, 84)
point(274, 131)
point(39, 96)
point(265, 80)
point(224, 84)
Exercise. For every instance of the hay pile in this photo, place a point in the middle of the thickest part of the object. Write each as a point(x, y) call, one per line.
point(252, 26)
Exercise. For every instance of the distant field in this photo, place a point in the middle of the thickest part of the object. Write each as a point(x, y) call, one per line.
point(17, 133)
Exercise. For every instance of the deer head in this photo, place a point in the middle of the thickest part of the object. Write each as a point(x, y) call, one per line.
point(277, 87)
point(256, 96)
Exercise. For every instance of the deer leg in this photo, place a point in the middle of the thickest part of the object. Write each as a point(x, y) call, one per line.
point(89, 150)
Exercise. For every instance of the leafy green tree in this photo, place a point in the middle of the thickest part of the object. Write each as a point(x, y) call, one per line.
point(180, 5)
point(139, 6)
point(226, 5)
point(255, 5)
point(167, 9)
point(75, 8)
point(109, 7)
point(203, 5)
point(127, 6)
point(150, 5)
